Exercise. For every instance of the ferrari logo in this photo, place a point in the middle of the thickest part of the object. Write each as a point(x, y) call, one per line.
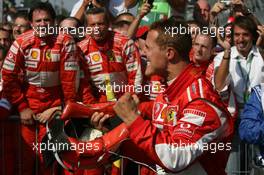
point(110, 55)
point(171, 114)
point(48, 55)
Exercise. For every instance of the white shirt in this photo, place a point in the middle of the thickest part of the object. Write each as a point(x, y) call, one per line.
point(240, 68)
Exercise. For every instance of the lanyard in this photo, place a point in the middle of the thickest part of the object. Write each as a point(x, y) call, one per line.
point(245, 78)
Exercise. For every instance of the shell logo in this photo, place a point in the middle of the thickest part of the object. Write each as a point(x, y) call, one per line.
point(34, 54)
point(96, 57)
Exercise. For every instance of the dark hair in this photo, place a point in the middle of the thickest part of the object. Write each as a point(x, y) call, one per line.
point(95, 10)
point(73, 19)
point(180, 42)
point(23, 15)
point(98, 10)
point(246, 23)
point(45, 6)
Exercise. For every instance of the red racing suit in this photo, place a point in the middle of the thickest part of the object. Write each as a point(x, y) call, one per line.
point(186, 129)
point(50, 68)
point(116, 61)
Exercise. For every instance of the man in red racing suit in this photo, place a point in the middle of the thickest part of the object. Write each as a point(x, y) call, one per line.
point(50, 67)
point(187, 126)
point(112, 58)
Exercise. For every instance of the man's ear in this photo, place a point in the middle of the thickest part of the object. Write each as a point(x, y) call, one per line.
point(171, 53)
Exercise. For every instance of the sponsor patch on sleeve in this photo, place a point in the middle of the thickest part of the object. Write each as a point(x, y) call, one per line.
point(194, 116)
point(14, 49)
point(8, 65)
point(185, 129)
point(96, 57)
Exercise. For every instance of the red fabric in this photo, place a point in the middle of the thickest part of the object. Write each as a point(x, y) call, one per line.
point(50, 67)
point(33, 55)
point(141, 31)
point(118, 58)
point(182, 99)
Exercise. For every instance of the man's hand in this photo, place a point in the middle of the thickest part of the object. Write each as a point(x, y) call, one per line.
point(144, 10)
point(217, 8)
point(237, 2)
point(98, 120)
point(26, 116)
point(46, 115)
point(260, 41)
point(126, 108)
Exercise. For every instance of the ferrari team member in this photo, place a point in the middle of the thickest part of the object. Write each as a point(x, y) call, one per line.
point(50, 68)
point(203, 52)
point(113, 59)
point(176, 130)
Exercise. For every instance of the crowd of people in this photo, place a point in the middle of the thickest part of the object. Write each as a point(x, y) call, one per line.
point(189, 94)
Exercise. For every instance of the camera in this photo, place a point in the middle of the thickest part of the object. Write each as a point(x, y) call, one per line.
point(226, 2)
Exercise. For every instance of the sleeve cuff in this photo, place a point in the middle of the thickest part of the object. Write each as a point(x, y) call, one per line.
point(135, 127)
point(22, 106)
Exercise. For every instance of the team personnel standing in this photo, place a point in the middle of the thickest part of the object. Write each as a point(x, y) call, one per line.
point(50, 77)
point(113, 59)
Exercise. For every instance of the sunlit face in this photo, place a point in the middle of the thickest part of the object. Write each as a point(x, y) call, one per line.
point(100, 26)
point(20, 26)
point(243, 40)
point(202, 48)
point(157, 57)
point(41, 19)
point(205, 10)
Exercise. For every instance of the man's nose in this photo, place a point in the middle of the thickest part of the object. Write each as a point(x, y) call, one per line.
point(43, 23)
point(240, 38)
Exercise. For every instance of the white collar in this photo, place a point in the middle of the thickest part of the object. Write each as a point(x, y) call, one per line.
point(235, 54)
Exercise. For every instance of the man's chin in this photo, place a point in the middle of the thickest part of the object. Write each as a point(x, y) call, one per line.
point(152, 71)
point(98, 38)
